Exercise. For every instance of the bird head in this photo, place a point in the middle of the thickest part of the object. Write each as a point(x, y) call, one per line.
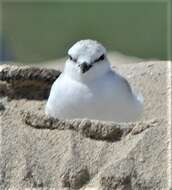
point(87, 60)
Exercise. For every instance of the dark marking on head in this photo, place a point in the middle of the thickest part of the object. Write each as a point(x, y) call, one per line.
point(72, 59)
point(101, 58)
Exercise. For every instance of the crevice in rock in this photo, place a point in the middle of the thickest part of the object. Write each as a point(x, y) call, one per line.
point(26, 82)
point(97, 130)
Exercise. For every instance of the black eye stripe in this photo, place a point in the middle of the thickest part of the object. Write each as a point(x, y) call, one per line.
point(72, 59)
point(101, 58)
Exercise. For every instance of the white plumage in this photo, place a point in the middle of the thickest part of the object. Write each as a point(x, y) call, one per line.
point(89, 88)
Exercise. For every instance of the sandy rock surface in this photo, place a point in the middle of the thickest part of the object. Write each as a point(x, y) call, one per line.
point(44, 153)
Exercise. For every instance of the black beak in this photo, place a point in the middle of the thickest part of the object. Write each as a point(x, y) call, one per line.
point(85, 67)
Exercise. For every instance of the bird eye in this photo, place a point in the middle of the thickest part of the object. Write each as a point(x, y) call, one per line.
point(101, 58)
point(72, 59)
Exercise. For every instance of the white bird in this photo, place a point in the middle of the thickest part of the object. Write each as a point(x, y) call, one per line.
point(89, 88)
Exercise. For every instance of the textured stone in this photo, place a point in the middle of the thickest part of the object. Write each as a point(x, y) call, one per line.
point(38, 152)
point(89, 128)
point(26, 82)
point(74, 178)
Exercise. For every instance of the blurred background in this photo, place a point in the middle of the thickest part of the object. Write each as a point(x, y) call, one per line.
point(34, 32)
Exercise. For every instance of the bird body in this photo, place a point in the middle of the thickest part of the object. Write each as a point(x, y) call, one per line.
point(97, 92)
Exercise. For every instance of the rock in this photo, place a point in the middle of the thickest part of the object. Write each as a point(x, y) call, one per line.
point(89, 128)
point(38, 152)
point(74, 178)
point(26, 82)
point(118, 176)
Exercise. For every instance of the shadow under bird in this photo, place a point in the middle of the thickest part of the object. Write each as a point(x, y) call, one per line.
point(89, 88)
